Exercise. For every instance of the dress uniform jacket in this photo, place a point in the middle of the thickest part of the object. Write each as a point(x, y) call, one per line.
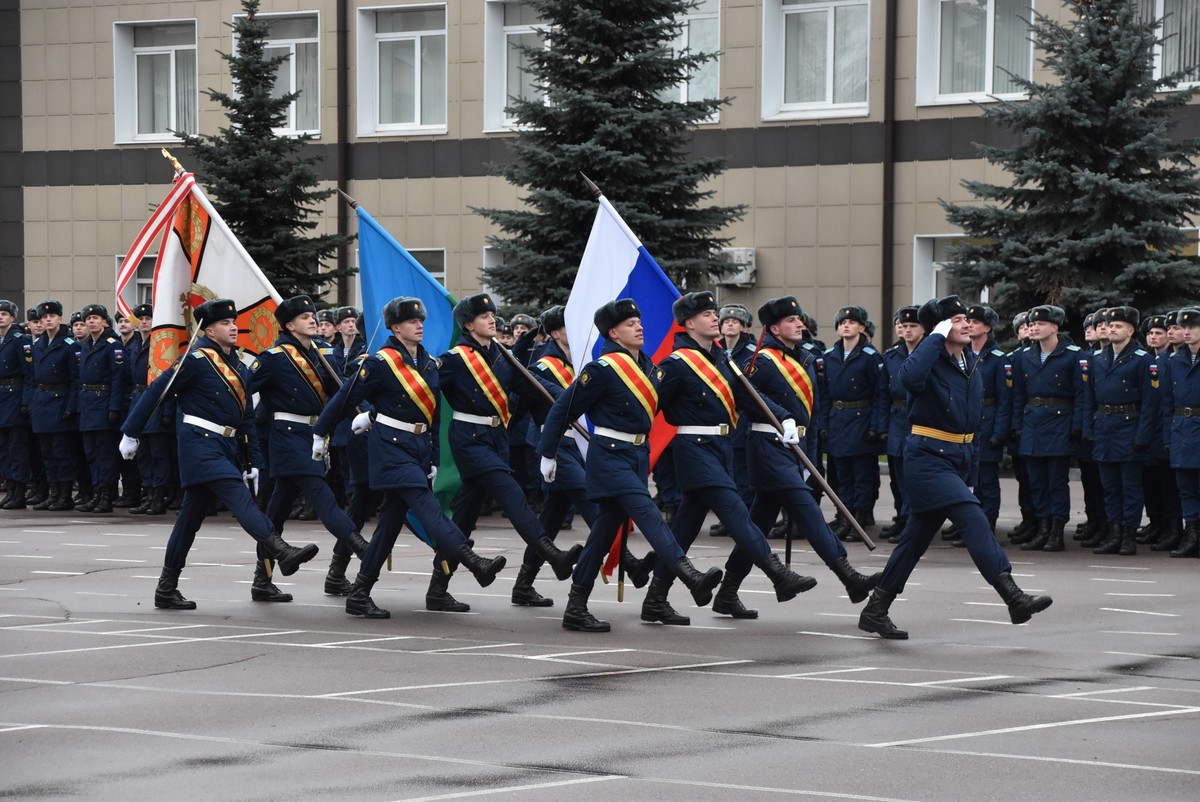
point(949, 399)
point(103, 380)
point(398, 458)
point(1051, 399)
point(138, 360)
point(346, 362)
point(742, 352)
point(550, 368)
point(1158, 373)
point(289, 378)
point(16, 377)
point(1180, 384)
point(213, 387)
point(891, 406)
point(850, 403)
point(773, 465)
point(613, 467)
point(1125, 404)
point(686, 399)
point(995, 371)
point(477, 448)
point(55, 392)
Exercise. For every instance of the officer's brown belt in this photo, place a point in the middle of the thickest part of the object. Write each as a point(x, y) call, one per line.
point(938, 434)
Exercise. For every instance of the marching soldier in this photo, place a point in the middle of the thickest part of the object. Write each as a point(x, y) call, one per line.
point(946, 396)
point(738, 340)
point(477, 381)
point(54, 403)
point(1051, 402)
point(400, 382)
point(293, 386)
point(995, 372)
point(892, 427)
point(1181, 416)
point(103, 377)
point(16, 382)
point(154, 456)
point(618, 392)
point(216, 438)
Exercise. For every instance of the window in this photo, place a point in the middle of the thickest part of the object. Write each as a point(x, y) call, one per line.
point(154, 74)
point(816, 58)
point(1180, 50)
point(433, 260)
point(701, 34)
point(402, 80)
point(931, 276)
point(982, 47)
point(298, 39)
point(509, 25)
point(141, 289)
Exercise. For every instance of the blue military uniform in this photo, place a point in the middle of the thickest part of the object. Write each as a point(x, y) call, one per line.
point(154, 454)
point(16, 385)
point(850, 404)
point(1180, 384)
point(741, 353)
point(995, 373)
point(103, 380)
point(350, 453)
point(53, 399)
point(892, 409)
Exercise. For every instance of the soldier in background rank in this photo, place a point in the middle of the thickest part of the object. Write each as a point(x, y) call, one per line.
point(738, 340)
point(103, 379)
point(154, 457)
point(53, 403)
point(16, 382)
point(39, 487)
point(1026, 529)
point(348, 455)
point(995, 372)
point(325, 328)
point(892, 425)
point(1174, 331)
point(1181, 421)
point(1094, 526)
point(1165, 529)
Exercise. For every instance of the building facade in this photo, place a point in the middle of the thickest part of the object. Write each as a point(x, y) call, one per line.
point(849, 120)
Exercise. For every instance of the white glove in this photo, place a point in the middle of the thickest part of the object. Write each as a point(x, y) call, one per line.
point(250, 477)
point(361, 423)
point(549, 469)
point(432, 474)
point(319, 448)
point(128, 446)
point(790, 433)
point(943, 328)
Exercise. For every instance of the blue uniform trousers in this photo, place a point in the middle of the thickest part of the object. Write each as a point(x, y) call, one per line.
point(502, 487)
point(1188, 480)
point(58, 453)
point(922, 527)
point(857, 480)
point(1024, 495)
point(153, 459)
point(730, 510)
point(1093, 490)
point(1122, 492)
point(1049, 487)
point(802, 510)
point(398, 503)
point(1161, 491)
point(987, 489)
point(196, 501)
point(611, 514)
point(896, 484)
point(558, 505)
point(363, 501)
point(318, 492)
point(14, 453)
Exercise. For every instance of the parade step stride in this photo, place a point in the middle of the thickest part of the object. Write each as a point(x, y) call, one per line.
point(763, 426)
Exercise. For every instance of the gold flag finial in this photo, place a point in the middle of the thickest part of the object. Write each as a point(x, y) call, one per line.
point(174, 162)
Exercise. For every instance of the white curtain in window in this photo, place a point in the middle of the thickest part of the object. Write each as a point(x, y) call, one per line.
point(804, 63)
point(1012, 47)
point(850, 54)
point(308, 111)
point(433, 80)
point(963, 46)
point(397, 82)
point(187, 113)
point(153, 93)
point(704, 36)
point(518, 82)
point(1181, 30)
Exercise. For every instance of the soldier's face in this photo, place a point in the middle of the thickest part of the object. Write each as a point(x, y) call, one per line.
point(50, 321)
point(911, 333)
point(848, 328)
point(789, 330)
point(1102, 331)
point(628, 333)
point(1023, 331)
point(1175, 335)
point(978, 328)
point(1089, 334)
point(960, 330)
point(519, 329)
point(6, 320)
point(1041, 329)
point(78, 329)
point(1156, 338)
point(705, 324)
point(36, 328)
point(94, 323)
point(145, 324)
point(348, 327)
point(483, 325)
point(124, 326)
point(304, 324)
point(409, 332)
point(1119, 332)
point(223, 332)
point(731, 328)
point(1191, 335)
point(326, 329)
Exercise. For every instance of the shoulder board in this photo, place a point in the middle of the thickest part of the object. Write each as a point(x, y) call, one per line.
point(869, 350)
point(997, 352)
point(1139, 352)
point(197, 355)
point(751, 347)
point(808, 346)
point(111, 340)
point(437, 362)
point(674, 356)
point(829, 350)
point(275, 350)
point(1073, 348)
point(327, 351)
point(70, 341)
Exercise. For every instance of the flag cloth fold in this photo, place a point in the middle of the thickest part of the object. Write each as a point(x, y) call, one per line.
point(615, 265)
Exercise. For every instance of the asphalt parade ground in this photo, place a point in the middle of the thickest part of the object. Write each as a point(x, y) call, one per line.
point(103, 697)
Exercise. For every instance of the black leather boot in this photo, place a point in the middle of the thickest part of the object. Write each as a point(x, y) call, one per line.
point(576, 617)
point(38, 491)
point(874, 617)
point(147, 497)
point(523, 592)
point(1021, 606)
point(655, 606)
point(287, 557)
point(1190, 546)
point(359, 602)
point(11, 487)
point(726, 602)
point(1112, 541)
point(893, 531)
point(779, 530)
point(54, 498)
point(86, 499)
point(637, 570)
point(167, 595)
point(263, 589)
point(17, 499)
point(130, 497)
point(1087, 529)
point(158, 501)
point(1170, 534)
point(1025, 531)
point(104, 501)
point(438, 598)
point(336, 583)
point(1055, 541)
point(1097, 535)
point(858, 586)
point(1150, 532)
point(358, 544)
point(788, 584)
point(701, 585)
point(1040, 537)
point(482, 568)
point(561, 562)
point(1128, 546)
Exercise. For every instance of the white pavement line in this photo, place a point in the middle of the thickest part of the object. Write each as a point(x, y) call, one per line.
point(11, 542)
point(120, 534)
point(511, 788)
point(44, 531)
point(770, 790)
point(163, 642)
point(836, 635)
point(1032, 727)
point(1128, 581)
point(961, 679)
point(1105, 692)
point(1138, 612)
point(116, 560)
point(1144, 595)
point(21, 727)
point(168, 628)
point(97, 593)
point(1159, 656)
point(986, 604)
point(840, 615)
point(86, 545)
point(466, 648)
point(1120, 567)
point(982, 621)
point(213, 537)
point(826, 673)
point(1136, 632)
point(1069, 761)
point(333, 643)
point(556, 677)
point(26, 556)
point(577, 654)
point(4, 587)
point(59, 573)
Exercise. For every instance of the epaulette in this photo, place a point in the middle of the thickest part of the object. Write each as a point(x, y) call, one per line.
point(275, 350)
point(829, 350)
point(997, 352)
point(1074, 348)
point(1139, 352)
point(674, 355)
point(197, 355)
point(326, 350)
point(111, 340)
point(869, 350)
point(70, 341)
point(751, 347)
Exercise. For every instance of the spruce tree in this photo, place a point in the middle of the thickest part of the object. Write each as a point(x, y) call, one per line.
point(258, 180)
point(1099, 189)
point(609, 107)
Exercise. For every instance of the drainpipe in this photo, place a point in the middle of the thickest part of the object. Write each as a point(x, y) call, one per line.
point(887, 272)
point(343, 144)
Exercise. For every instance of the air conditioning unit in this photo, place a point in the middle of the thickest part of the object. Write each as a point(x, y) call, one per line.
point(745, 269)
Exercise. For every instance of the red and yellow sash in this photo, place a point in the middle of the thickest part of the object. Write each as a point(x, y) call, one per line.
point(413, 383)
point(304, 367)
point(712, 377)
point(798, 379)
point(562, 372)
point(481, 371)
point(233, 380)
point(639, 384)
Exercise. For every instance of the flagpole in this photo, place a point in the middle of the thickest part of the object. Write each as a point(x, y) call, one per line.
point(537, 385)
point(353, 203)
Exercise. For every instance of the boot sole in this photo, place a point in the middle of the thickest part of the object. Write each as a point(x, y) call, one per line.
point(173, 606)
point(682, 621)
point(807, 584)
point(282, 597)
point(603, 627)
point(898, 634)
point(292, 566)
point(1037, 608)
point(362, 614)
point(741, 615)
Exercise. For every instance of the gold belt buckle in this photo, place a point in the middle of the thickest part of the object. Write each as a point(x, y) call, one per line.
point(418, 428)
point(229, 431)
point(801, 431)
point(495, 421)
point(638, 439)
point(724, 429)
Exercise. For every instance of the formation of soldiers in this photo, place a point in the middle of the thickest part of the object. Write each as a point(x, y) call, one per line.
point(318, 422)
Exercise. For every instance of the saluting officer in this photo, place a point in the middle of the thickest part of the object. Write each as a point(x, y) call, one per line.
point(618, 392)
point(1165, 529)
point(103, 378)
point(211, 385)
point(154, 456)
point(293, 386)
point(400, 383)
point(16, 380)
point(53, 404)
point(477, 382)
point(945, 402)
point(1181, 416)
point(1051, 402)
point(892, 424)
point(995, 371)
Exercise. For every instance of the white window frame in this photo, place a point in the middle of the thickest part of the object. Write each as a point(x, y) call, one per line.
point(440, 275)
point(141, 289)
point(683, 42)
point(492, 257)
point(495, 54)
point(290, 44)
point(1159, 13)
point(928, 271)
point(774, 65)
point(125, 88)
point(929, 60)
point(368, 72)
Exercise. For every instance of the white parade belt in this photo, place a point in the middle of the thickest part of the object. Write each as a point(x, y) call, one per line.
point(767, 428)
point(224, 431)
point(625, 437)
point(307, 420)
point(482, 420)
point(404, 426)
point(718, 431)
